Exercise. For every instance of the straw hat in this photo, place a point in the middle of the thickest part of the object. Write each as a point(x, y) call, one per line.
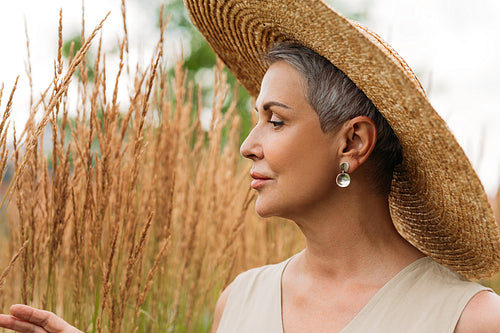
point(437, 201)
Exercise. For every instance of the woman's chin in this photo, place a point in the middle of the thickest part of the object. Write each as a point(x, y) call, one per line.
point(264, 208)
point(262, 212)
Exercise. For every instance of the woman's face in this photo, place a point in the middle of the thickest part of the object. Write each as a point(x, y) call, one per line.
point(294, 162)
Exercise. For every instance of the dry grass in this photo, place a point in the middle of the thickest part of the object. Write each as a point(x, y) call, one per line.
point(134, 219)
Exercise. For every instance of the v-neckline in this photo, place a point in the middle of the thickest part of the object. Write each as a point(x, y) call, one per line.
point(401, 274)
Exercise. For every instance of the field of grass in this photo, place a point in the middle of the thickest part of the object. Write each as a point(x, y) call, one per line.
point(136, 218)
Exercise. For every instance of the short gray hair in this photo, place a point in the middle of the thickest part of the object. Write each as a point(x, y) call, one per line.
point(336, 99)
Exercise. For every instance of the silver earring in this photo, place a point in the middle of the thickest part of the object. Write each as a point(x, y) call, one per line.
point(343, 178)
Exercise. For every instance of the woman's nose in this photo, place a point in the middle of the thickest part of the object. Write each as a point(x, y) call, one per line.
point(251, 147)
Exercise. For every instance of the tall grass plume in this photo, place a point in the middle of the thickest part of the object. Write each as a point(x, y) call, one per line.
point(134, 218)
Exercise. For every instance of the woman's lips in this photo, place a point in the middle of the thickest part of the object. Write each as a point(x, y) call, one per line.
point(258, 180)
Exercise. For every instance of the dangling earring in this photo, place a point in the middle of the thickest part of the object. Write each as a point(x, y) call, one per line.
point(343, 178)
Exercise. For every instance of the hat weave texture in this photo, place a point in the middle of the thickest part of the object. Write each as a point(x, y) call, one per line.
point(437, 202)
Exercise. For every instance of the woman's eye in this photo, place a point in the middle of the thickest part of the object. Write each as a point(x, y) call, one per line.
point(276, 123)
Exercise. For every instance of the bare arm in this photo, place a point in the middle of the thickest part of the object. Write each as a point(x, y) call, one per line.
point(219, 308)
point(481, 315)
point(24, 318)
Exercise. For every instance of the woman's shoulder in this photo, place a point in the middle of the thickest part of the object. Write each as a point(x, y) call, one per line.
point(481, 314)
point(262, 272)
point(261, 277)
point(219, 307)
point(258, 276)
point(480, 309)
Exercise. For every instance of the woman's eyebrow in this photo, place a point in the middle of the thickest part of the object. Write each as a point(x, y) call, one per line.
point(267, 105)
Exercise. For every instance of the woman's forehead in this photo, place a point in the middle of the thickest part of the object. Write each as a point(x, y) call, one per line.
point(282, 83)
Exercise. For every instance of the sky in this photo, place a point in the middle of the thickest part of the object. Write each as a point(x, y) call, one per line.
point(452, 45)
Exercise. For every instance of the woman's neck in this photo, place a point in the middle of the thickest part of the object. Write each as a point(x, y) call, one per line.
point(353, 239)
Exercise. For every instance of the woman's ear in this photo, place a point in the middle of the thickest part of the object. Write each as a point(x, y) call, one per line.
point(359, 136)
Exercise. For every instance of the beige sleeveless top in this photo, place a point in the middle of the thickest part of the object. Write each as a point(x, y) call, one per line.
point(423, 297)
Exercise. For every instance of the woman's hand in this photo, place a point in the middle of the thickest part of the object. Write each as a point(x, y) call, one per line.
point(24, 318)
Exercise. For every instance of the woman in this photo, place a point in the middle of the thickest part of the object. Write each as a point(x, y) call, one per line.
point(348, 147)
point(391, 210)
point(356, 274)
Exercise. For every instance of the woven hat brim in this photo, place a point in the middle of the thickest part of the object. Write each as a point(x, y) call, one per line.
point(437, 201)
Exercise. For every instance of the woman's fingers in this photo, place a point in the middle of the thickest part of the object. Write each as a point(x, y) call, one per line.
point(27, 319)
point(42, 318)
point(18, 325)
